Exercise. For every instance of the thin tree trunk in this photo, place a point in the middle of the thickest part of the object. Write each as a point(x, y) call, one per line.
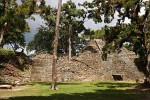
point(147, 76)
point(1, 36)
point(55, 42)
point(70, 50)
point(147, 79)
point(2, 29)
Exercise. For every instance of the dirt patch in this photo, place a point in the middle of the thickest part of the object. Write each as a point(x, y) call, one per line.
point(18, 88)
point(15, 88)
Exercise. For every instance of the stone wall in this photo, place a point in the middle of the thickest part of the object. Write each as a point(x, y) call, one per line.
point(41, 69)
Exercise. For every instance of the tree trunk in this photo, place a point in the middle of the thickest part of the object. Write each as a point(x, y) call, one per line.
point(1, 36)
point(70, 50)
point(55, 42)
point(147, 77)
point(1, 30)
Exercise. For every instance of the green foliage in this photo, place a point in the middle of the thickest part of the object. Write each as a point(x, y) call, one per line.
point(70, 16)
point(92, 34)
point(128, 46)
point(73, 18)
point(6, 53)
point(13, 26)
point(99, 34)
point(88, 34)
point(13, 20)
point(42, 41)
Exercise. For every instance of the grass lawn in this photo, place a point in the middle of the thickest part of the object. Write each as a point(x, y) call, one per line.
point(77, 91)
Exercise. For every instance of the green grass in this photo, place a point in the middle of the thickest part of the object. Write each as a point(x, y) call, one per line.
point(76, 91)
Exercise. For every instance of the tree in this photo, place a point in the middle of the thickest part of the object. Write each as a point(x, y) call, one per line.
point(88, 34)
point(42, 41)
point(54, 66)
point(13, 21)
point(99, 34)
point(93, 34)
point(136, 33)
point(71, 25)
point(72, 20)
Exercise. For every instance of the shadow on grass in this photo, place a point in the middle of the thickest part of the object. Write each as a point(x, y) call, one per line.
point(48, 83)
point(111, 93)
point(116, 85)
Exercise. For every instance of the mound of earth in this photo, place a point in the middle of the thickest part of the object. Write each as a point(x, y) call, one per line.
point(15, 69)
point(9, 74)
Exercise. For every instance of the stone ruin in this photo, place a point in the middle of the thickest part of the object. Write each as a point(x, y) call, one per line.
point(87, 66)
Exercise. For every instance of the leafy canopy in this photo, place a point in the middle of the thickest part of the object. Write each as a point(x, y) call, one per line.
point(70, 16)
point(13, 20)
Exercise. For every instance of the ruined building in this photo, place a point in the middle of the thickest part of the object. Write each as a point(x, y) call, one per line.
point(87, 66)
